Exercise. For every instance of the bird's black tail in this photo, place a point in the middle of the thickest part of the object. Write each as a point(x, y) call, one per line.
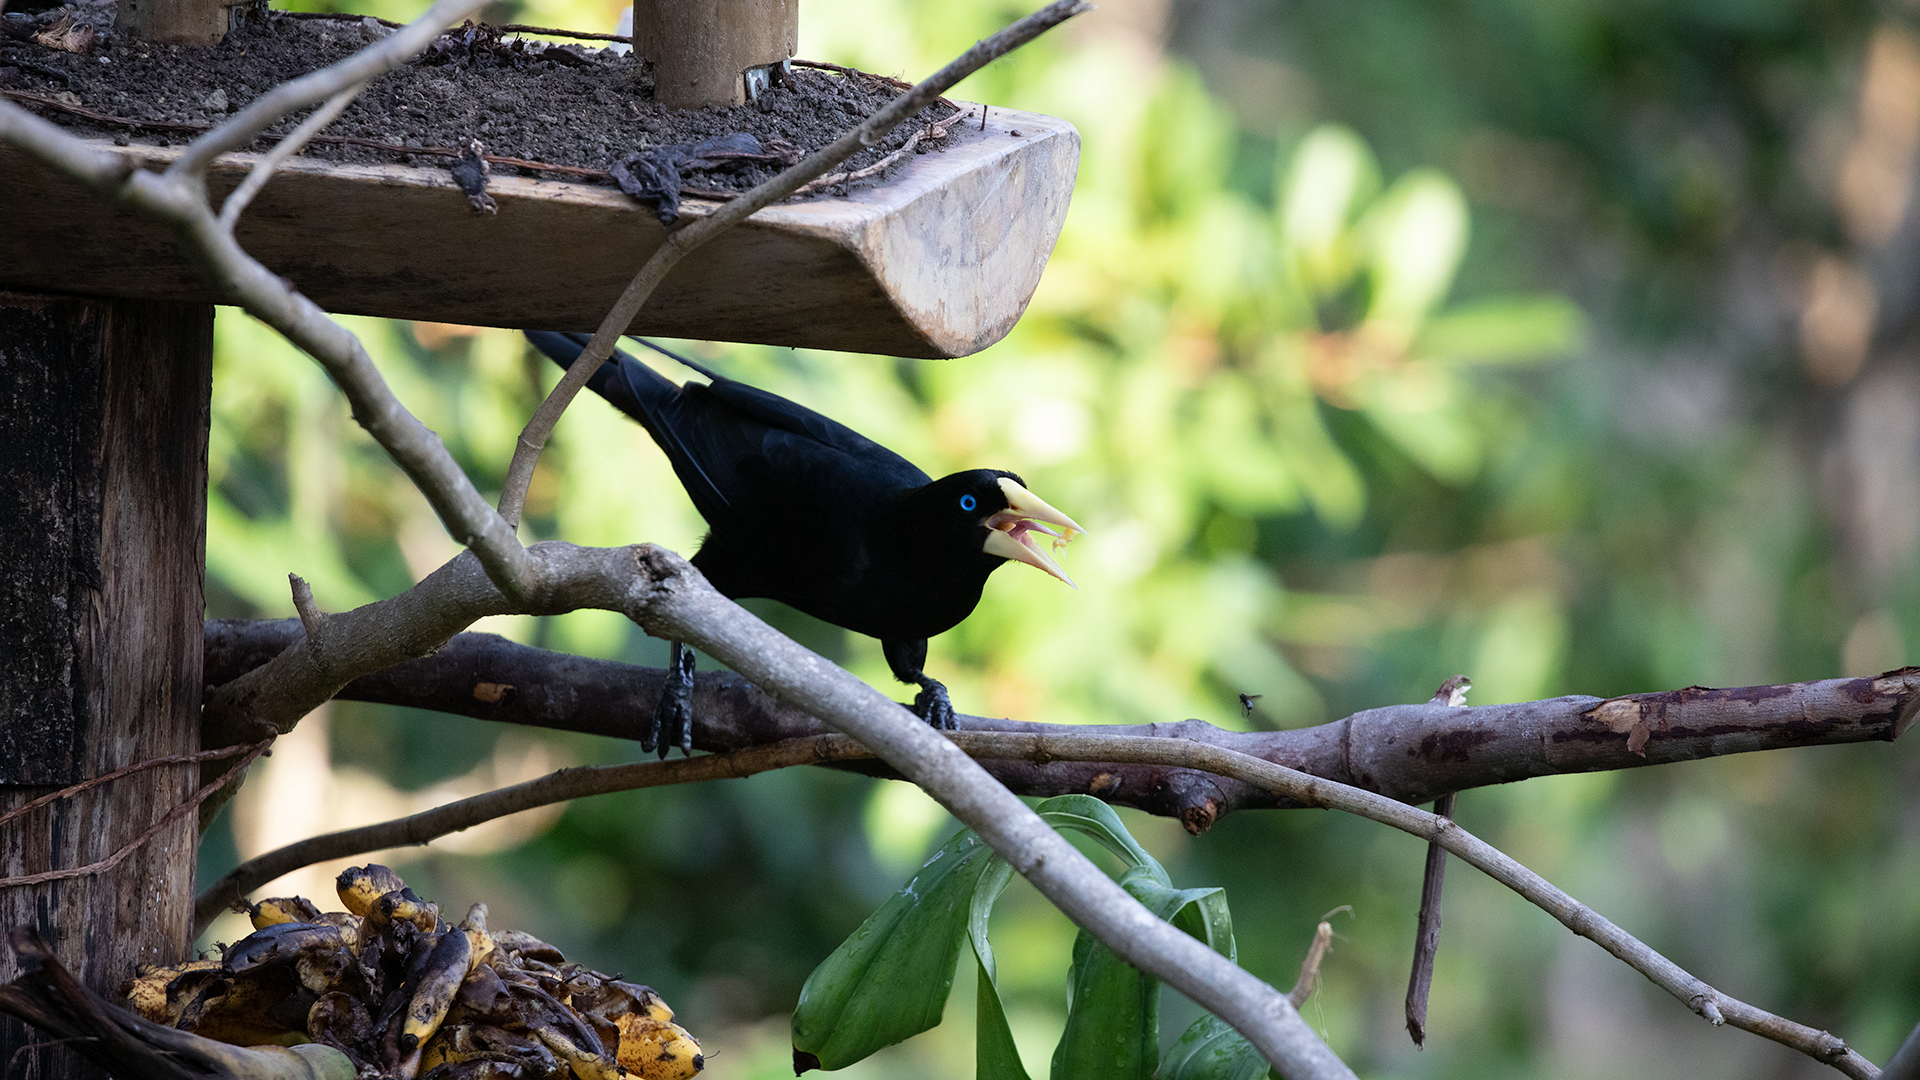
point(647, 396)
point(626, 383)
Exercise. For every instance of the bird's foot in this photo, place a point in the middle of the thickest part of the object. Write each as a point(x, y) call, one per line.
point(932, 705)
point(672, 723)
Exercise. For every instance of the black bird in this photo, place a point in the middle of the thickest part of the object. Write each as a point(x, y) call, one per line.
point(811, 513)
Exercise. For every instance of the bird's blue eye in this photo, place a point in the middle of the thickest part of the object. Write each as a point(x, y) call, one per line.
point(968, 502)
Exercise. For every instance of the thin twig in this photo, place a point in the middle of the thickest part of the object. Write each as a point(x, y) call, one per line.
point(1310, 967)
point(287, 147)
point(310, 614)
point(936, 130)
point(584, 35)
point(1703, 999)
point(1426, 937)
point(124, 770)
point(152, 831)
point(679, 243)
point(557, 787)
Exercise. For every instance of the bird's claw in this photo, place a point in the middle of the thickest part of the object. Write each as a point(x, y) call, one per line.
point(672, 723)
point(932, 705)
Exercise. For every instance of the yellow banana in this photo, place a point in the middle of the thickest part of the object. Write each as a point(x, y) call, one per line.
point(475, 927)
point(526, 945)
point(360, 886)
point(404, 905)
point(586, 1063)
point(159, 993)
point(657, 1049)
point(649, 1002)
point(446, 968)
point(282, 909)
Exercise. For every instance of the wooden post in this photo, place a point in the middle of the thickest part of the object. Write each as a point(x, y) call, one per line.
point(103, 473)
point(700, 48)
point(184, 22)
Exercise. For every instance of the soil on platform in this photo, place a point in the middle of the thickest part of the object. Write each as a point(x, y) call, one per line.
point(555, 103)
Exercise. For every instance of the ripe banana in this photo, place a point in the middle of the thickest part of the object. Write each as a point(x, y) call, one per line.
point(404, 994)
point(404, 905)
point(657, 1049)
point(445, 969)
point(360, 886)
point(282, 909)
point(159, 993)
point(475, 927)
point(587, 1060)
point(526, 946)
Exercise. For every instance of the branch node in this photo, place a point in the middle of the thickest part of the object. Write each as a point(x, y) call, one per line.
point(311, 617)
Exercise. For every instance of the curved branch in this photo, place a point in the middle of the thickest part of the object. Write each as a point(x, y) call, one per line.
point(564, 785)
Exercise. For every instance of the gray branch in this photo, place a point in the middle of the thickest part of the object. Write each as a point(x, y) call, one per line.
point(1412, 753)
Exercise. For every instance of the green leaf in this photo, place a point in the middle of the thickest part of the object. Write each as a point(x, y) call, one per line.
point(1203, 913)
point(1212, 1050)
point(1086, 814)
point(1113, 1018)
point(994, 1054)
point(890, 979)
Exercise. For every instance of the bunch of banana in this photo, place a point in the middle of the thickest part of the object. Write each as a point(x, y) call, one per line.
point(407, 996)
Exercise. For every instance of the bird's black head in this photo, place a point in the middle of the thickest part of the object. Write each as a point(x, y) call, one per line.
point(997, 516)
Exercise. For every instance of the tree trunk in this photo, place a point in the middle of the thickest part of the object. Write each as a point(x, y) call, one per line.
point(103, 454)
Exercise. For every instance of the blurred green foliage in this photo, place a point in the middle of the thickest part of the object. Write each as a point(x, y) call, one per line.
point(1385, 341)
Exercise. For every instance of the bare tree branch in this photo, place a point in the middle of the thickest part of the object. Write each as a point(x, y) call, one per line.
point(1426, 936)
point(667, 597)
point(1711, 1004)
point(557, 787)
point(1460, 748)
point(685, 240)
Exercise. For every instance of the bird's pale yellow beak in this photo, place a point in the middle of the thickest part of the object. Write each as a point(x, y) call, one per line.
point(1011, 531)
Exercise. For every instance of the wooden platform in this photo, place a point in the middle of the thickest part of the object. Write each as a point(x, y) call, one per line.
point(938, 261)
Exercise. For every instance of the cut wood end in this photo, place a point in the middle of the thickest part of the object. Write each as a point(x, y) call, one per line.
point(1905, 685)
